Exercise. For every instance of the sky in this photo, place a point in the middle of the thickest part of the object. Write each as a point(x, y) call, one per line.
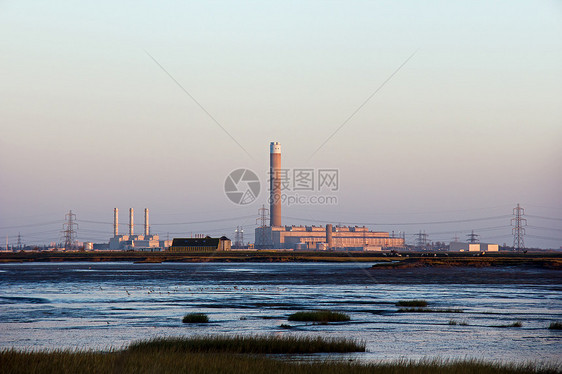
point(438, 116)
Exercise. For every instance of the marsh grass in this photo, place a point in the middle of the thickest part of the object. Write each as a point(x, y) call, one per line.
point(428, 310)
point(555, 326)
point(514, 324)
point(250, 344)
point(412, 303)
point(156, 361)
point(320, 316)
point(452, 322)
point(195, 318)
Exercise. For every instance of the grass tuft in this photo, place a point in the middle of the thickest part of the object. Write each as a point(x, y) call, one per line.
point(452, 322)
point(428, 310)
point(195, 318)
point(412, 303)
point(555, 326)
point(249, 344)
point(320, 316)
point(514, 324)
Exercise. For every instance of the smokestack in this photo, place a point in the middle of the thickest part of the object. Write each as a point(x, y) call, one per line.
point(146, 227)
point(115, 221)
point(275, 184)
point(131, 223)
point(329, 242)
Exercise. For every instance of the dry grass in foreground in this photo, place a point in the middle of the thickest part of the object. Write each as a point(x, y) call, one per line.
point(155, 362)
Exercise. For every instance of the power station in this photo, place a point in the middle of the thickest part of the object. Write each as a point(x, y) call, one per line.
point(270, 232)
point(327, 237)
point(132, 241)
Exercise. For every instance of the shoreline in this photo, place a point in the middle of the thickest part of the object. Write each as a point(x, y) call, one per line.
point(406, 260)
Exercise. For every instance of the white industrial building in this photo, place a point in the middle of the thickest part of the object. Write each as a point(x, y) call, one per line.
point(145, 242)
point(473, 247)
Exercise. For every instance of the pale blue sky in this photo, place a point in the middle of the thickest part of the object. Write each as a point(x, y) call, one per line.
point(469, 127)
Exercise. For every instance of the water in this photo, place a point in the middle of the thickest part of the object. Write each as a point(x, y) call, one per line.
point(104, 305)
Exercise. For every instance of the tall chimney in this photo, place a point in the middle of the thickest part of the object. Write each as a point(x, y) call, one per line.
point(131, 223)
point(329, 242)
point(275, 184)
point(115, 221)
point(146, 227)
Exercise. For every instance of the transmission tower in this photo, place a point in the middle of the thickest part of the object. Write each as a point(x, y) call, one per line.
point(261, 221)
point(19, 244)
point(473, 238)
point(421, 240)
point(518, 222)
point(69, 230)
point(239, 237)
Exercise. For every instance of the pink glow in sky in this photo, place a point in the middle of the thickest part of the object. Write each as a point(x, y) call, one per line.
point(468, 128)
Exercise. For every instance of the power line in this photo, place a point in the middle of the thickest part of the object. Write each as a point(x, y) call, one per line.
point(544, 228)
point(542, 217)
point(206, 221)
point(362, 104)
point(176, 223)
point(30, 225)
point(544, 238)
point(97, 222)
point(405, 223)
point(480, 229)
point(198, 104)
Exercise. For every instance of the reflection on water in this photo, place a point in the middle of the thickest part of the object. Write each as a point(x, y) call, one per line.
point(93, 305)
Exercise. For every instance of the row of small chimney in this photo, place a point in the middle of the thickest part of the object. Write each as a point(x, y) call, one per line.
point(131, 222)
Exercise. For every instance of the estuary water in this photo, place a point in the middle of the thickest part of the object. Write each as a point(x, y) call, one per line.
point(108, 305)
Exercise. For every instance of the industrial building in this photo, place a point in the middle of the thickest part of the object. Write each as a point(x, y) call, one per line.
point(312, 237)
point(145, 242)
point(473, 247)
point(206, 244)
point(325, 238)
